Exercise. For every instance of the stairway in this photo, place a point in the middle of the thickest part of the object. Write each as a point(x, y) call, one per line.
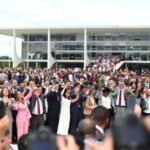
point(118, 65)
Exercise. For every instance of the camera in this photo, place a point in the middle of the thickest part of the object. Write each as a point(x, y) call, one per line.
point(42, 139)
point(129, 134)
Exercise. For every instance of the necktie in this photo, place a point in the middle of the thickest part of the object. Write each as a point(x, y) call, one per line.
point(120, 97)
point(38, 105)
point(57, 96)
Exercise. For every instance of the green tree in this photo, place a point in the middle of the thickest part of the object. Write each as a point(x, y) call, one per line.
point(5, 63)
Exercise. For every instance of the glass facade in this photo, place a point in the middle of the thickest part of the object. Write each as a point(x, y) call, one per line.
point(34, 47)
point(70, 45)
point(63, 46)
point(131, 46)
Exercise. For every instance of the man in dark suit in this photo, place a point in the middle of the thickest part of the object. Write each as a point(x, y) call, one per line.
point(114, 89)
point(53, 108)
point(37, 108)
point(121, 99)
point(100, 115)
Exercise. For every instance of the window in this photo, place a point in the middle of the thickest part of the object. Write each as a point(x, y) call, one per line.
point(115, 48)
point(137, 48)
point(144, 48)
point(115, 37)
point(100, 38)
point(122, 37)
point(122, 47)
point(108, 38)
point(108, 48)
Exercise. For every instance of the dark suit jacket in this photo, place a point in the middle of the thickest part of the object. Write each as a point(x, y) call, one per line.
point(82, 98)
point(43, 90)
point(33, 102)
point(74, 106)
point(53, 102)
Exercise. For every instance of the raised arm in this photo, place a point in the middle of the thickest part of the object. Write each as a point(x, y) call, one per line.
point(62, 93)
point(77, 80)
point(15, 105)
point(97, 95)
point(43, 83)
point(74, 100)
point(29, 95)
point(114, 92)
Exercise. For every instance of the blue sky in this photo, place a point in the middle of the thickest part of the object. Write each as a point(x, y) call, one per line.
point(25, 13)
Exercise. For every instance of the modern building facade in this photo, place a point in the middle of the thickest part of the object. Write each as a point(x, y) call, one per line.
point(80, 45)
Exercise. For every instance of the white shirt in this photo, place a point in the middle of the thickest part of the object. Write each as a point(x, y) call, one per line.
point(100, 129)
point(35, 111)
point(122, 98)
point(106, 101)
point(148, 103)
point(107, 79)
point(46, 103)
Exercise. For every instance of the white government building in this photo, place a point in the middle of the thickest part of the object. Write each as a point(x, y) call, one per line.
point(78, 46)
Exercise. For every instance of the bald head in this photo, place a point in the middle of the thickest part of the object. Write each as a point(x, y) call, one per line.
point(87, 126)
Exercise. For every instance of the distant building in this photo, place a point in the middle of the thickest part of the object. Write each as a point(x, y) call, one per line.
point(80, 45)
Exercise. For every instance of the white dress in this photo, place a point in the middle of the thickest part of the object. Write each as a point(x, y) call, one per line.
point(64, 117)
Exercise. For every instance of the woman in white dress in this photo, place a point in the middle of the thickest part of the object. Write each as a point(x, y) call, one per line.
point(64, 118)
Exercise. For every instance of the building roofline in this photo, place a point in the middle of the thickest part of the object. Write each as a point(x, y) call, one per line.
point(73, 29)
point(78, 27)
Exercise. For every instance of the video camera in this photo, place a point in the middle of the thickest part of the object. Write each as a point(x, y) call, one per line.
point(129, 134)
point(42, 139)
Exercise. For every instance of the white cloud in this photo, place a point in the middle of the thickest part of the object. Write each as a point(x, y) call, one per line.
point(74, 12)
point(23, 13)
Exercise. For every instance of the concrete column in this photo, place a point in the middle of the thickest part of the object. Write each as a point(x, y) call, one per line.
point(86, 58)
point(50, 59)
point(28, 52)
point(16, 59)
point(36, 64)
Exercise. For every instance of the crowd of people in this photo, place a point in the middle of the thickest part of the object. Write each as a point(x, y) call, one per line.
point(82, 103)
point(107, 63)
